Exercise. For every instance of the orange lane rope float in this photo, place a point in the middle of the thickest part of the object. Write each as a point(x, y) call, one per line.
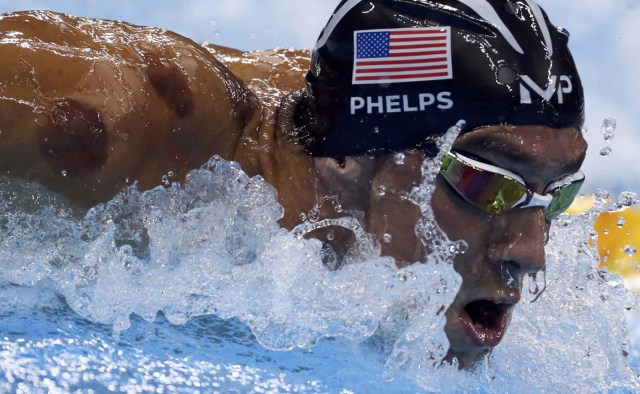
point(618, 240)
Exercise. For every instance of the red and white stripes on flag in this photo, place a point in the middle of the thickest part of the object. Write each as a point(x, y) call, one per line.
point(402, 55)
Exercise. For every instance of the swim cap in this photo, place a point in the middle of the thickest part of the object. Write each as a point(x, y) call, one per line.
point(386, 75)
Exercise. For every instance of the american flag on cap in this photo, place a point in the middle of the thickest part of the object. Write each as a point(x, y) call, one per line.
point(402, 55)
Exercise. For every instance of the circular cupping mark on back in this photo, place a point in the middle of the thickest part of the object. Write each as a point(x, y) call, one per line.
point(75, 140)
point(171, 84)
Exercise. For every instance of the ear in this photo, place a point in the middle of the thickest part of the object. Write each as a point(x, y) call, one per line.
point(349, 177)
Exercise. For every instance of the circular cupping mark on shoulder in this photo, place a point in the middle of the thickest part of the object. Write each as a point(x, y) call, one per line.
point(171, 84)
point(76, 139)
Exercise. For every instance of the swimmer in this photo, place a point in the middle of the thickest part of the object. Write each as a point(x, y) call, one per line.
point(89, 106)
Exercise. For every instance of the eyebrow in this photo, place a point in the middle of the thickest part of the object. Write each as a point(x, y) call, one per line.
point(513, 149)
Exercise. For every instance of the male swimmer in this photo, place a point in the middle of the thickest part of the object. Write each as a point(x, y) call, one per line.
point(88, 106)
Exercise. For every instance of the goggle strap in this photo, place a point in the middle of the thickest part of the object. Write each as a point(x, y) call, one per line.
point(577, 177)
point(538, 200)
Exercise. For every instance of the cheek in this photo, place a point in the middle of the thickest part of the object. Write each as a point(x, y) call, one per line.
point(461, 221)
point(448, 212)
point(393, 220)
point(391, 217)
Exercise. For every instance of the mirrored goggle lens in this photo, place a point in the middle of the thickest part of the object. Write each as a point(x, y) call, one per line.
point(562, 198)
point(494, 193)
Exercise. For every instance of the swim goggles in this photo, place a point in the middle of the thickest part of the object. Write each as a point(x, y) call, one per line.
point(496, 190)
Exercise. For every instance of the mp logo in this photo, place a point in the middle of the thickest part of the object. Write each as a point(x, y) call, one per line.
point(559, 85)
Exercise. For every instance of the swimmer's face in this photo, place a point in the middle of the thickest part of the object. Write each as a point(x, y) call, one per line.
point(499, 247)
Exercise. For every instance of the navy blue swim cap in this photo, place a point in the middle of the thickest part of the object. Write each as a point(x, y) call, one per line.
point(386, 75)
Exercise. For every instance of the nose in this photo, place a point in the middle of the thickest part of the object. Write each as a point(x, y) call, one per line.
point(518, 239)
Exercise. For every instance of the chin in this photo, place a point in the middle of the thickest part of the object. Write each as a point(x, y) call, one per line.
point(476, 326)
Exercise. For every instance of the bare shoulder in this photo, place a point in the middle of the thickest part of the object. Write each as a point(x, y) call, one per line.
point(268, 73)
point(89, 105)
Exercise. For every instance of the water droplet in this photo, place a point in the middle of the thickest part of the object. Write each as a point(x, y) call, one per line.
point(314, 215)
point(376, 130)
point(627, 199)
point(584, 130)
point(629, 250)
point(214, 23)
point(621, 222)
point(165, 180)
point(506, 275)
point(563, 30)
point(605, 231)
point(458, 247)
point(253, 35)
point(398, 158)
point(608, 129)
point(331, 236)
point(606, 151)
point(64, 172)
point(382, 191)
point(602, 195)
point(462, 246)
point(537, 285)
point(302, 217)
point(330, 258)
point(387, 238)
point(216, 33)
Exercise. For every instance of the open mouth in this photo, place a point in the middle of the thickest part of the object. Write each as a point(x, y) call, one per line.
point(485, 321)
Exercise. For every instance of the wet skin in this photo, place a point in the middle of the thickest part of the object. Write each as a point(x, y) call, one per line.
point(88, 106)
point(93, 115)
point(502, 249)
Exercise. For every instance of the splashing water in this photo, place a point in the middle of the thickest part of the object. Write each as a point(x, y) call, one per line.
point(621, 222)
point(609, 129)
point(191, 278)
point(626, 199)
point(537, 285)
point(629, 250)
